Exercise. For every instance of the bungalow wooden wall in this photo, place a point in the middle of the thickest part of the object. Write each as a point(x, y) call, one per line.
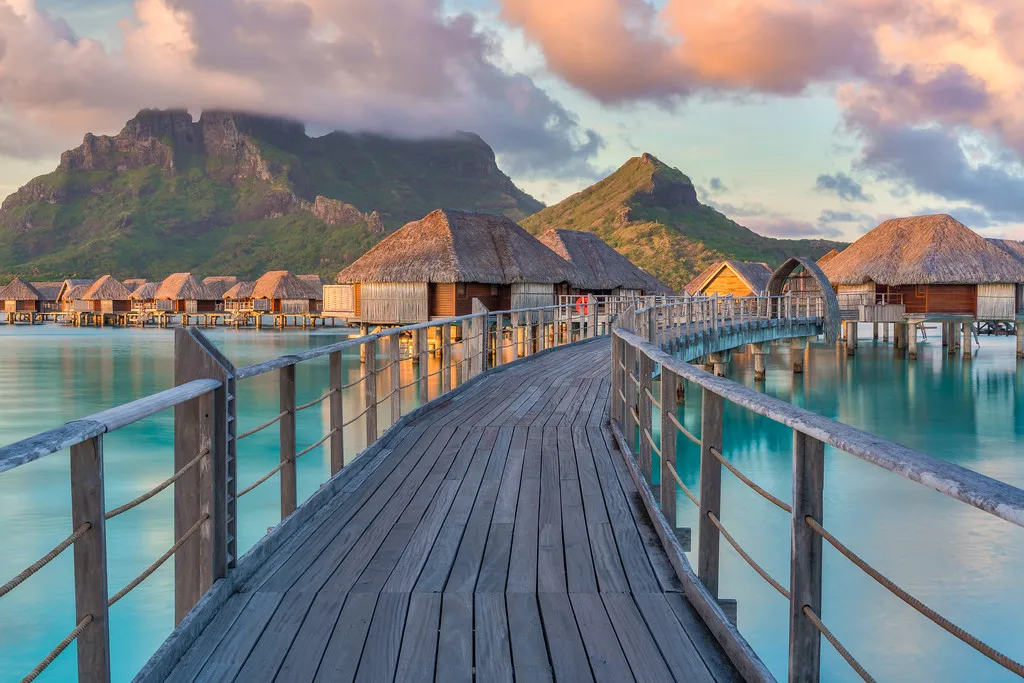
point(442, 300)
point(491, 296)
point(997, 302)
point(339, 299)
point(726, 283)
point(939, 298)
point(532, 295)
point(394, 302)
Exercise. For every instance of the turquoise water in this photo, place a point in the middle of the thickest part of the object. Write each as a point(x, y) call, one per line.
point(966, 564)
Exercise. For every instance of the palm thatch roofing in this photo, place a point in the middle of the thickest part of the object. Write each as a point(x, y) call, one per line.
point(753, 274)
point(923, 250)
point(68, 287)
point(448, 246)
point(107, 289)
point(19, 290)
point(218, 284)
point(144, 292)
point(282, 284)
point(48, 291)
point(314, 279)
point(599, 266)
point(1011, 247)
point(828, 257)
point(184, 287)
point(134, 283)
point(242, 290)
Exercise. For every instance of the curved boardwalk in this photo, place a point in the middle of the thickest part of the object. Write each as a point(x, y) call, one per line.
point(498, 536)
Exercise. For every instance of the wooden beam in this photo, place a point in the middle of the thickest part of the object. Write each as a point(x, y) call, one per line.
point(712, 412)
point(337, 418)
point(805, 559)
point(370, 390)
point(289, 486)
point(669, 383)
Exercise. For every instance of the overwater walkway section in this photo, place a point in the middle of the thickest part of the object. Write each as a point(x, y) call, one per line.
point(499, 536)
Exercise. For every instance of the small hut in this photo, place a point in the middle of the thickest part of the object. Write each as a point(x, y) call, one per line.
point(50, 295)
point(107, 295)
point(184, 293)
point(316, 283)
point(731, 278)
point(933, 266)
point(239, 297)
point(20, 297)
point(279, 291)
point(143, 296)
point(71, 291)
point(436, 266)
point(599, 268)
point(218, 284)
point(134, 283)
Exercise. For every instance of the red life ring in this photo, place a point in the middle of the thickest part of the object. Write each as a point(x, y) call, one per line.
point(581, 305)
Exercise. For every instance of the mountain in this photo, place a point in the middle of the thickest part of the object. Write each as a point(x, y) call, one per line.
point(649, 211)
point(238, 194)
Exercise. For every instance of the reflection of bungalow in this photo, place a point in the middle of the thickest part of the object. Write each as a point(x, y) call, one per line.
point(218, 284)
point(71, 291)
point(239, 297)
point(934, 267)
point(735, 278)
point(279, 291)
point(20, 297)
point(600, 269)
point(184, 293)
point(106, 295)
point(436, 266)
point(143, 297)
point(49, 293)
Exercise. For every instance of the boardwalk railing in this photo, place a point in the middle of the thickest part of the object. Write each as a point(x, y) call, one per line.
point(637, 354)
point(206, 438)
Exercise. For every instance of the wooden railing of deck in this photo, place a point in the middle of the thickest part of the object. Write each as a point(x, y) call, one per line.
point(638, 353)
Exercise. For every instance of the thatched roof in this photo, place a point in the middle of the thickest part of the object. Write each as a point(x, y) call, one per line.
point(19, 290)
point(107, 289)
point(598, 265)
point(828, 257)
point(243, 290)
point(282, 284)
point(67, 289)
point(754, 274)
point(313, 279)
point(184, 287)
point(923, 250)
point(460, 246)
point(48, 291)
point(218, 284)
point(145, 292)
point(134, 283)
point(1011, 247)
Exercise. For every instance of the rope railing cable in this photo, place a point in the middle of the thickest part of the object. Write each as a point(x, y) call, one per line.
point(843, 652)
point(318, 443)
point(655, 402)
point(44, 560)
point(321, 399)
point(685, 432)
point(635, 380)
point(632, 414)
point(365, 410)
point(352, 384)
point(160, 487)
point(985, 649)
point(687, 491)
point(751, 561)
point(262, 479)
point(55, 652)
point(262, 426)
point(388, 395)
point(163, 558)
point(650, 440)
point(742, 477)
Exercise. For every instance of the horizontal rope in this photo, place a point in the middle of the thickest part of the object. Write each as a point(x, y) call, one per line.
point(753, 564)
point(262, 479)
point(152, 492)
point(55, 652)
point(388, 395)
point(262, 426)
point(650, 440)
point(365, 410)
point(316, 400)
point(688, 492)
point(156, 565)
point(654, 401)
point(308, 449)
point(412, 383)
point(985, 649)
point(352, 384)
point(683, 429)
point(739, 475)
point(809, 613)
point(44, 560)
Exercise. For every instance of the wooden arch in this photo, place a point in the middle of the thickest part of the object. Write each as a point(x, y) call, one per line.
point(833, 319)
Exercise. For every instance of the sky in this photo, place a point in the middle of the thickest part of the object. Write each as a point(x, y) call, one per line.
point(796, 118)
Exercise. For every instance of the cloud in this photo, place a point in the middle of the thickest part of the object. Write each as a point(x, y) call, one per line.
point(829, 217)
point(843, 186)
point(397, 66)
point(765, 221)
point(716, 186)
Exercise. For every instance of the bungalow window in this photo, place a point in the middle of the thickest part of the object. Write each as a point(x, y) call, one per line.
point(920, 291)
point(460, 289)
point(494, 290)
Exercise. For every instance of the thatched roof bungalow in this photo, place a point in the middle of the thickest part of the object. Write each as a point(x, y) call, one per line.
point(106, 295)
point(134, 283)
point(218, 284)
point(49, 293)
point(239, 297)
point(279, 291)
point(731, 278)
point(600, 269)
point(436, 266)
point(933, 265)
point(18, 296)
point(70, 291)
point(143, 296)
point(184, 293)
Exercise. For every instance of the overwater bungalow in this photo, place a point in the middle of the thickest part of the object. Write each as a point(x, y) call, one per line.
point(280, 291)
point(218, 284)
point(50, 295)
point(434, 268)
point(71, 291)
point(731, 278)
point(106, 295)
point(20, 297)
point(600, 269)
point(184, 293)
point(239, 297)
point(143, 297)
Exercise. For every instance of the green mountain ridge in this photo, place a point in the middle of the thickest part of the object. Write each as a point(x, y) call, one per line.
point(239, 194)
point(649, 212)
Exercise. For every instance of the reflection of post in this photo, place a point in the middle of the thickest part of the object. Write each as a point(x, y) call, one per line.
point(759, 352)
point(1020, 339)
point(967, 340)
point(422, 347)
point(912, 341)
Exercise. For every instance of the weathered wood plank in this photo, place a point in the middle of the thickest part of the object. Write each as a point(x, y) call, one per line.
point(638, 644)
point(493, 654)
point(345, 648)
point(568, 655)
point(607, 660)
point(380, 653)
point(529, 651)
point(455, 643)
point(522, 571)
point(550, 550)
point(234, 649)
point(310, 641)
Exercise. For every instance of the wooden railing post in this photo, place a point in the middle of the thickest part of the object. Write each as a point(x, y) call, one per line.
point(467, 350)
point(592, 310)
point(806, 559)
point(88, 507)
point(669, 382)
point(499, 338)
point(646, 415)
point(629, 426)
point(370, 390)
point(652, 325)
point(337, 418)
point(615, 408)
point(422, 347)
point(446, 358)
point(711, 414)
point(395, 375)
point(289, 493)
point(481, 327)
point(516, 320)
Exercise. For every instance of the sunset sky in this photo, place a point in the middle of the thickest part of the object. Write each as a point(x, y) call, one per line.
point(794, 117)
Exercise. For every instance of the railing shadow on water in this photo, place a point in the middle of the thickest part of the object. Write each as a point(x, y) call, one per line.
point(204, 479)
point(638, 354)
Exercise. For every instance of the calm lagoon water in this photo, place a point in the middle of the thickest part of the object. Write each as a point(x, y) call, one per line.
point(964, 563)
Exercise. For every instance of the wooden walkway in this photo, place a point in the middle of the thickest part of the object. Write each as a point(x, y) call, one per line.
point(498, 537)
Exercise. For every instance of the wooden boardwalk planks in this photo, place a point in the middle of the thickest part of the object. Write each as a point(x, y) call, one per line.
point(499, 538)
